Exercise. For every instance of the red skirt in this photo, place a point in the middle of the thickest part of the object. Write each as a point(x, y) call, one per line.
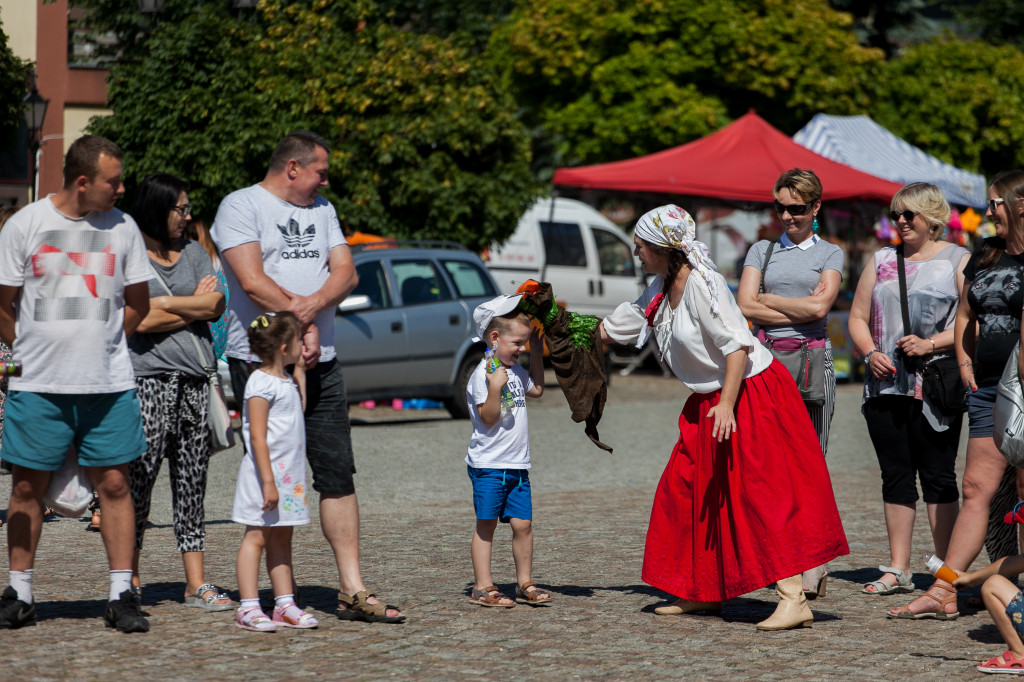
point(733, 517)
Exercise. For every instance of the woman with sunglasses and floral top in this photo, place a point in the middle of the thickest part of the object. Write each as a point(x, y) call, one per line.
point(912, 439)
point(988, 326)
point(800, 285)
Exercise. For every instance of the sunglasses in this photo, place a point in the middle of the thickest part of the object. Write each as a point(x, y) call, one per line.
point(907, 215)
point(793, 209)
point(183, 210)
point(993, 204)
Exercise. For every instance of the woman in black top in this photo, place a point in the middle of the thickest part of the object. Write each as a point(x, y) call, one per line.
point(991, 303)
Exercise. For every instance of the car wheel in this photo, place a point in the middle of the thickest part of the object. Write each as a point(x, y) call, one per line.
point(456, 405)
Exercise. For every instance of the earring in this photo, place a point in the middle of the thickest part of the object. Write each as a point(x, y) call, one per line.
point(815, 224)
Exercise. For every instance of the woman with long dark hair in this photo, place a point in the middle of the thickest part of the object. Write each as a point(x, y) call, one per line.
point(746, 499)
point(172, 354)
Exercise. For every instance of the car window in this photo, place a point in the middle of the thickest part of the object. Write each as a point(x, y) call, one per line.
point(615, 256)
point(418, 281)
point(469, 278)
point(373, 283)
point(563, 244)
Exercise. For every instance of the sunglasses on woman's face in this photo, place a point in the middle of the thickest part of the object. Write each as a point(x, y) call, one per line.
point(907, 215)
point(793, 209)
point(993, 204)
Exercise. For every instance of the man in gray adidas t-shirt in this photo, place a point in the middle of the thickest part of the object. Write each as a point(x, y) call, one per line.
point(283, 249)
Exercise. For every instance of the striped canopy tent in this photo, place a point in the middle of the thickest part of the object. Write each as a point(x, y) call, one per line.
point(859, 142)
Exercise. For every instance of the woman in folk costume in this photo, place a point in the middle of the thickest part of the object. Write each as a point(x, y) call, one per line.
point(746, 498)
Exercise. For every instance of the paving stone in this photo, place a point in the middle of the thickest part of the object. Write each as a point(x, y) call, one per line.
point(591, 512)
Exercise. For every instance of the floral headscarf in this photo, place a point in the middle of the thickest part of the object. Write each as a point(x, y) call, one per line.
point(671, 226)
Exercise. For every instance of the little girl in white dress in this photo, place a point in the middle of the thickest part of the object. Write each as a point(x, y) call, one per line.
point(270, 496)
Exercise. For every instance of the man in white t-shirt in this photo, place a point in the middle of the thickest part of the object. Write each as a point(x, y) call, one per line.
point(283, 249)
point(73, 273)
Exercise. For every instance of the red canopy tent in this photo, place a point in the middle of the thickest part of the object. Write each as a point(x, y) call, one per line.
point(740, 162)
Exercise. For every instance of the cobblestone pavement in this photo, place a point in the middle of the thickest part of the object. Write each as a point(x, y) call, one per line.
point(591, 516)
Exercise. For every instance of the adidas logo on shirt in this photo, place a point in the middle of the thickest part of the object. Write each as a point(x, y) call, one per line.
point(298, 241)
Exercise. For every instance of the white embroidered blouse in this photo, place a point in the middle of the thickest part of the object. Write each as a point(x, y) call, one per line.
point(693, 343)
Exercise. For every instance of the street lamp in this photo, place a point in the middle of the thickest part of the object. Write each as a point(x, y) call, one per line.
point(35, 113)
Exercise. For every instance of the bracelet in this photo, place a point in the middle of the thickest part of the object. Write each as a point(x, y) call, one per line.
point(933, 344)
point(867, 358)
point(965, 363)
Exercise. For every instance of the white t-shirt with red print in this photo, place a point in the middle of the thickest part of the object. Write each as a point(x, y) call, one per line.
point(69, 334)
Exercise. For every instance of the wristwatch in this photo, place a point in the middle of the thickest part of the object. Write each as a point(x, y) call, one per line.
point(867, 358)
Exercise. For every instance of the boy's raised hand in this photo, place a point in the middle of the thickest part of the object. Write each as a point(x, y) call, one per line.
point(497, 378)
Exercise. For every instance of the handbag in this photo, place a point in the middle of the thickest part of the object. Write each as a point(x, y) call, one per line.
point(1008, 413)
point(218, 420)
point(70, 490)
point(804, 359)
point(940, 377)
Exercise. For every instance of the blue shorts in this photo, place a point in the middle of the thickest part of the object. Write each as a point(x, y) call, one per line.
point(501, 494)
point(105, 428)
point(1015, 610)
point(979, 412)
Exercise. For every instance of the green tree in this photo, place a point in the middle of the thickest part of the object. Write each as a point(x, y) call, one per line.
point(886, 24)
point(612, 79)
point(425, 143)
point(997, 21)
point(962, 101)
point(14, 85)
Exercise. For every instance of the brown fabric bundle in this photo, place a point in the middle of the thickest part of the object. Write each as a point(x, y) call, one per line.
point(576, 356)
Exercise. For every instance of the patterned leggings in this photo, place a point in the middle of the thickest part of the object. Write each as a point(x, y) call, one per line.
point(821, 417)
point(174, 421)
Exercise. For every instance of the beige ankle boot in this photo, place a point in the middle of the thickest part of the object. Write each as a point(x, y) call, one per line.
point(792, 611)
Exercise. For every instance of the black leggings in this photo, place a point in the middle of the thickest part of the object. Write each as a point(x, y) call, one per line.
point(905, 444)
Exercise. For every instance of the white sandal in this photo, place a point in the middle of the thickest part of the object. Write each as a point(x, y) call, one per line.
point(903, 582)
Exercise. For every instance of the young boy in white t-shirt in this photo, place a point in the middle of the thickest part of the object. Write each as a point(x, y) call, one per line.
point(499, 450)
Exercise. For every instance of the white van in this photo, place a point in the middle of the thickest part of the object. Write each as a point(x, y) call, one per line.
point(586, 257)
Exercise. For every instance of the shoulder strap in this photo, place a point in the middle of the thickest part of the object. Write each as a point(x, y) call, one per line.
point(192, 334)
point(764, 265)
point(901, 272)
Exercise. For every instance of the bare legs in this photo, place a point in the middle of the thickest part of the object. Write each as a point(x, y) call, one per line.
point(25, 516)
point(522, 553)
point(277, 541)
point(899, 524)
point(339, 520)
point(984, 470)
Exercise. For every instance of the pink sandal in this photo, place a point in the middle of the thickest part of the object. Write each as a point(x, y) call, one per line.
point(292, 616)
point(1011, 664)
point(254, 619)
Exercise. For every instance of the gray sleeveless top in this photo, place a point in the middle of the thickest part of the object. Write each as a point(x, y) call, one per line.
point(932, 299)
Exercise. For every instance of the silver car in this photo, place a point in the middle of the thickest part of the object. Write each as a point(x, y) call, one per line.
point(407, 330)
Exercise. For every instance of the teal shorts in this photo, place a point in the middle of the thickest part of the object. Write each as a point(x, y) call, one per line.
point(105, 428)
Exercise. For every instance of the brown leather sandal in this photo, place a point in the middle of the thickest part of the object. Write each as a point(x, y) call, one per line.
point(356, 608)
point(904, 611)
point(524, 595)
point(489, 596)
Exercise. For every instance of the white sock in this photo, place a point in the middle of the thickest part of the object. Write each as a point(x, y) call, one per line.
point(21, 581)
point(284, 600)
point(119, 582)
point(249, 603)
